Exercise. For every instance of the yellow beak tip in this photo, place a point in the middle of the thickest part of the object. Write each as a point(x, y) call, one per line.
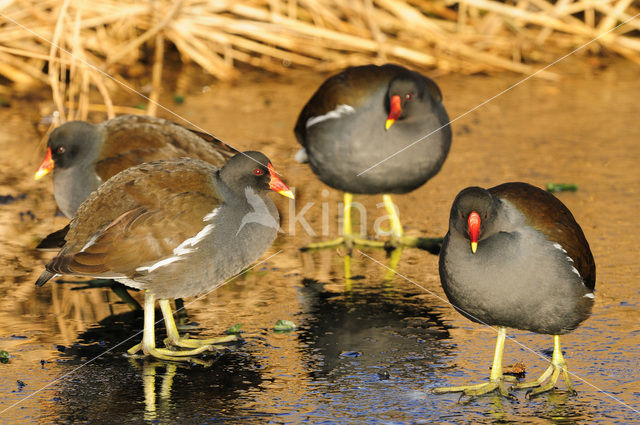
point(388, 124)
point(474, 247)
point(287, 193)
point(40, 174)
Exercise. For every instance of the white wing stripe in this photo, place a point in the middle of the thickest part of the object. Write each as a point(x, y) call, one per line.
point(336, 113)
point(186, 247)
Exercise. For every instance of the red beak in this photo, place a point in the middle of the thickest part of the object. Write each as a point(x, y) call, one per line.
point(395, 110)
point(46, 166)
point(474, 230)
point(277, 184)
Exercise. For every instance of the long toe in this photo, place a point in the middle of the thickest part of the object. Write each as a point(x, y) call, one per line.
point(547, 386)
point(368, 243)
point(135, 349)
point(324, 245)
point(567, 381)
point(186, 342)
point(477, 389)
point(178, 355)
point(536, 383)
point(347, 241)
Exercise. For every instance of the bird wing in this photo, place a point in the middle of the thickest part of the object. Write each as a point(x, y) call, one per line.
point(54, 241)
point(138, 217)
point(227, 151)
point(132, 139)
point(350, 87)
point(552, 218)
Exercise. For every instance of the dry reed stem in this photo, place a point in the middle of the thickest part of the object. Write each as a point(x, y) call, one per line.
point(481, 35)
point(156, 78)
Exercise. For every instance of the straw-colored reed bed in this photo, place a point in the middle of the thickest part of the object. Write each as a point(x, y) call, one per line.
point(42, 40)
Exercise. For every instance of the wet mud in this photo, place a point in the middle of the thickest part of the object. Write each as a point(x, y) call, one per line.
point(367, 348)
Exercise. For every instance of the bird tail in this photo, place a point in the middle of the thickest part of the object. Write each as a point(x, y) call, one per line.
point(302, 156)
point(44, 278)
point(54, 241)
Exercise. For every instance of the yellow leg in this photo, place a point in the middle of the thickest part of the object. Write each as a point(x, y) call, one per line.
point(347, 239)
point(148, 345)
point(348, 282)
point(557, 366)
point(346, 217)
point(396, 226)
point(149, 375)
point(149, 387)
point(496, 379)
point(394, 260)
point(398, 239)
point(174, 338)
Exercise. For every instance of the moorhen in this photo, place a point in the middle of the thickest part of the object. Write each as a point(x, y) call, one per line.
point(374, 130)
point(173, 228)
point(515, 257)
point(83, 155)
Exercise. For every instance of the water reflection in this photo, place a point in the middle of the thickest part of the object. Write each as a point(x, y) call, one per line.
point(365, 337)
point(160, 392)
point(146, 389)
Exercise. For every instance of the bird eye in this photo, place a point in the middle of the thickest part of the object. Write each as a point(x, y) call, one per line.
point(60, 150)
point(258, 172)
point(408, 96)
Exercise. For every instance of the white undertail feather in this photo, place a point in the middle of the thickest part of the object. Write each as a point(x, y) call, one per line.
point(301, 156)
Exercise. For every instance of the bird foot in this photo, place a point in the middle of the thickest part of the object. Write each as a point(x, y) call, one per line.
point(171, 355)
point(347, 241)
point(495, 385)
point(547, 381)
point(323, 245)
point(186, 342)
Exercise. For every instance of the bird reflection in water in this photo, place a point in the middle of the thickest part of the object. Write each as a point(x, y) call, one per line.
point(156, 403)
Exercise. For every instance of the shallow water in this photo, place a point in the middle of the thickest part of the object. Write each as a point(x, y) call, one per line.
point(367, 349)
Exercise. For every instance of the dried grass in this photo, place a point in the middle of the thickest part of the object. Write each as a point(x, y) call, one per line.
point(86, 40)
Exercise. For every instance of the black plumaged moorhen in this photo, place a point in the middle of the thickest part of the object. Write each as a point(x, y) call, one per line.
point(374, 130)
point(515, 257)
point(173, 228)
point(83, 155)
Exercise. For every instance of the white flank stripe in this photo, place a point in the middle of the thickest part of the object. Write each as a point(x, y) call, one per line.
point(336, 113)
point(186, 247)
point(558, 246)
point(91, 241)
point(589, 295)
point(211, 215)
point(573, 269)
point(160, 263)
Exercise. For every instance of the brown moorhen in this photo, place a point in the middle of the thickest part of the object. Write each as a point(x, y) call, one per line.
point(173, 228)
point(515, 257)
point(83, 155)
point(359, 132)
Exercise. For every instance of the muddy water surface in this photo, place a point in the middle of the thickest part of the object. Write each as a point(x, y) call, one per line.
point(367, 349)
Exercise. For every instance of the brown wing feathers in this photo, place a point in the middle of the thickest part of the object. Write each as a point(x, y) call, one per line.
point(131, 140)
point(132, 220)
point(555, 221)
